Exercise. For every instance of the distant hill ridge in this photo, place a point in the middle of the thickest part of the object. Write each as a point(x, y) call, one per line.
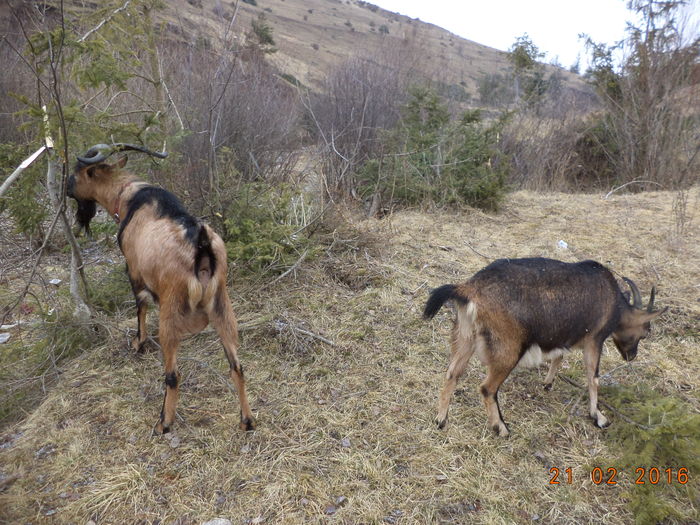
point(312, 36)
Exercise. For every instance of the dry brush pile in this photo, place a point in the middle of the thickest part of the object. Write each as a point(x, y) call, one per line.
point(343, 378)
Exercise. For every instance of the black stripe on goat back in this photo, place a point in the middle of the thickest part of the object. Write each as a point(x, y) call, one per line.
point(169, 206)
point(557, 303)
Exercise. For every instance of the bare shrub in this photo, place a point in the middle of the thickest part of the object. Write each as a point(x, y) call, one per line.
point(233, 101)
point(359, 99)
point(649, 100)
point(15, 80)
point(552, 149)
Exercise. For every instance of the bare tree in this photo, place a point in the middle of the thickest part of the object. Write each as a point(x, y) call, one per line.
point(360, 98)
point(654, 141)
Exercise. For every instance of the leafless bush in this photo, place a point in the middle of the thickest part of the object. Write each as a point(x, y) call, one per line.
point(15, 80)
point(650, 101)
point(548, 149)
point(359, 99)
point(233, 106)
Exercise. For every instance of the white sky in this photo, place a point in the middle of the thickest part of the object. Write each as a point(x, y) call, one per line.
point(552, 25)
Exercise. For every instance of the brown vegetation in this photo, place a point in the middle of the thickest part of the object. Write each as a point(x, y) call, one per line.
point(345, 429)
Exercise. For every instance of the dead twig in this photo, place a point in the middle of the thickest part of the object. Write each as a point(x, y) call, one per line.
point(15, 174)
point(290, 270)
point(627, 184)
point(281, 325)
point(478, 253)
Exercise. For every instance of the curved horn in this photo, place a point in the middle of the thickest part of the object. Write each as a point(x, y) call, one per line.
point(650, 306)
point(96, 154)
point(123, 147)
point(636, 296)
point(100, 152)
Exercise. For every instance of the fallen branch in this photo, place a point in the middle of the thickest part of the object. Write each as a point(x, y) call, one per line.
point(606, 405)
point(242, 327)
point(290, 270)
point(15, 174)
point(627, 184)
point(281, 325)
point(478, 253)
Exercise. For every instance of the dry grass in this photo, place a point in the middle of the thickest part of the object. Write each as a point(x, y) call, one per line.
point(346, 431)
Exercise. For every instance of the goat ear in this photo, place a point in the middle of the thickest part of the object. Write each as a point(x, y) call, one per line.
point(91, 171)
point(647, 317)
point(121, 162)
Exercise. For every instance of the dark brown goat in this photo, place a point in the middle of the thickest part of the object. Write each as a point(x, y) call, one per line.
point(516, 311)
point(172, 258)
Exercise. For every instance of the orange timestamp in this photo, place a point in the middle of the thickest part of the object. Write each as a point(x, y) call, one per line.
point(611, 475)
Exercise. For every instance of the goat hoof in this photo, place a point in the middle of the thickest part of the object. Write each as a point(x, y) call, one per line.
point(247, 424)
point(548, 386)
point(501, 430)
point(441, 423)
point(602, 422)
point(160, 429)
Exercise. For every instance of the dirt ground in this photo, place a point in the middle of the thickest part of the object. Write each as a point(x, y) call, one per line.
point(343, 377)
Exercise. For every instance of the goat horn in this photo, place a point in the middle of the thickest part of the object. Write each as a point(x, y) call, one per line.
point(636, 296)
point(96, 154)
point(100, 152)
point(123, 147)
point(650, 306)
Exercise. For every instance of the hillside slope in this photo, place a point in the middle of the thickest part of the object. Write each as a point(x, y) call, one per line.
point(312, 36)
point(343, 376)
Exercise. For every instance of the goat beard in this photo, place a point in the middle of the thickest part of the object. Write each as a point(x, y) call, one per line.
point(84, 214)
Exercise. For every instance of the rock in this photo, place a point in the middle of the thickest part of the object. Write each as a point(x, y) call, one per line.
point(218, 521)
point(4, 338)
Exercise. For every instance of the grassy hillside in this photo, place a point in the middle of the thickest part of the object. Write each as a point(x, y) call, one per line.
point(343, 377)
point(312, 36)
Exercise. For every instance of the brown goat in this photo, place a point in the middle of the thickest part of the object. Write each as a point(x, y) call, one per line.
point(518, 311)
point(172, 258)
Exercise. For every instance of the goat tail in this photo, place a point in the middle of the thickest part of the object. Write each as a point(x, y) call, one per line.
point(203, 284)
point(440, 296)
point(195, 292)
